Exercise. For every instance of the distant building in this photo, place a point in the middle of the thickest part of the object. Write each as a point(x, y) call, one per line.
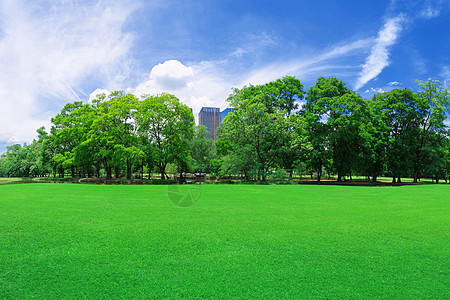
point(225, 112)
point(210, 117)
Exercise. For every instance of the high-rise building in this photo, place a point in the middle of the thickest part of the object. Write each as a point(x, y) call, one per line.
point(210, 117)
point(225, 112)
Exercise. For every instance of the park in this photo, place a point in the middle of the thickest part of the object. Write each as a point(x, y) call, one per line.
point(334, 196)
point(224, 149)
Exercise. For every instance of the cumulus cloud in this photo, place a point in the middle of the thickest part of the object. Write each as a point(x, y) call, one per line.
point(197, 85)
point(209, 83)
point(379, 55)
point(95, 94)
point(48, 49)
point(374, 90)
point(171, 75)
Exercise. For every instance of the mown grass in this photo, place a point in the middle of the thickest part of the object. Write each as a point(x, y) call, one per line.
point(241, 241)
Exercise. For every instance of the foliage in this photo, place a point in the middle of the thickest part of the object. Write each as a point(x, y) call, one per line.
point(275, 128)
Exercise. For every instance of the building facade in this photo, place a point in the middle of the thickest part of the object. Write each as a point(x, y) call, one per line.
point(210, 117)
point(225, 112)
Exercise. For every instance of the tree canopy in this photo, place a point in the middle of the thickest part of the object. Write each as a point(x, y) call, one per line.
point(275, 128)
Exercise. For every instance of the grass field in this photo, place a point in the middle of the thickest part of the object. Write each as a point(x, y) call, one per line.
point(241, 241)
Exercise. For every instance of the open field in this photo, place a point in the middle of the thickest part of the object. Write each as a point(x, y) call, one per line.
point(240, 241)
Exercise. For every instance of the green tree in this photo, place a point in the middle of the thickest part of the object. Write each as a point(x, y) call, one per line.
point(402, 111)
point(283, 94)
point(113, 132)
point(202, 150)
point(252, 125)
point(295, 147)
point(317, 109)
point(432, 129)
point(167, 125)
point(348, 113)
point(69, 130)
point(279, 95)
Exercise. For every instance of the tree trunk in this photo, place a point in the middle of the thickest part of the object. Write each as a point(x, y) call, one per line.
point(128, 169)
point(72, 170)
point(399, 180)
point(319, 173)
point(150, 172)
point(108, 173)
point(263, 174)
point(374, 178)
point(162, 171)
point(393, 179)
point(416, 172)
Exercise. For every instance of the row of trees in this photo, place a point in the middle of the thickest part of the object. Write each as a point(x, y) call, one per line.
point(400, 133)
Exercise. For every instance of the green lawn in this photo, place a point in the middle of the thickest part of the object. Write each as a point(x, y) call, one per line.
point(237, 241)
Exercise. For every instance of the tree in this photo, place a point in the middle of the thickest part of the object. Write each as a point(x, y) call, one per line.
point(113, 132)
point(317, 110)
point(348, 113)
point(279, 95)
point(376, 134)
point(283, 94)
point(295, 147)
point(259, 124)
point(167, 125)
point(202, 150)
point(70, 129)
point(436, 101)
point(402, 111)
point(252, 125)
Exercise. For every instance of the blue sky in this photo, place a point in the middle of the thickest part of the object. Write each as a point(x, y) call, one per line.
point(55, 52)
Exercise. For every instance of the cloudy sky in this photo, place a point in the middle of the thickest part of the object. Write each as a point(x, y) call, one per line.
point(54, 52)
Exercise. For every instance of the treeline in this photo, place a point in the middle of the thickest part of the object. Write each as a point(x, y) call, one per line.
point(400, 133)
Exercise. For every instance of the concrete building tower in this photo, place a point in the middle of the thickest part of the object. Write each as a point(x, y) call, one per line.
point(210, 117)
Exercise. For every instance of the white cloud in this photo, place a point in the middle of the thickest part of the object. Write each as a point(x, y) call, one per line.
point(171, 75)
point(394, 83)
point(255, 42)
point(337, 60)
point(377, 90)
point(429, 12)
point(209, 83)
point(379, 56)
point(46, 50)
point(446, 74)
point(94, 95)
point(198, 85)
point(374, 90)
